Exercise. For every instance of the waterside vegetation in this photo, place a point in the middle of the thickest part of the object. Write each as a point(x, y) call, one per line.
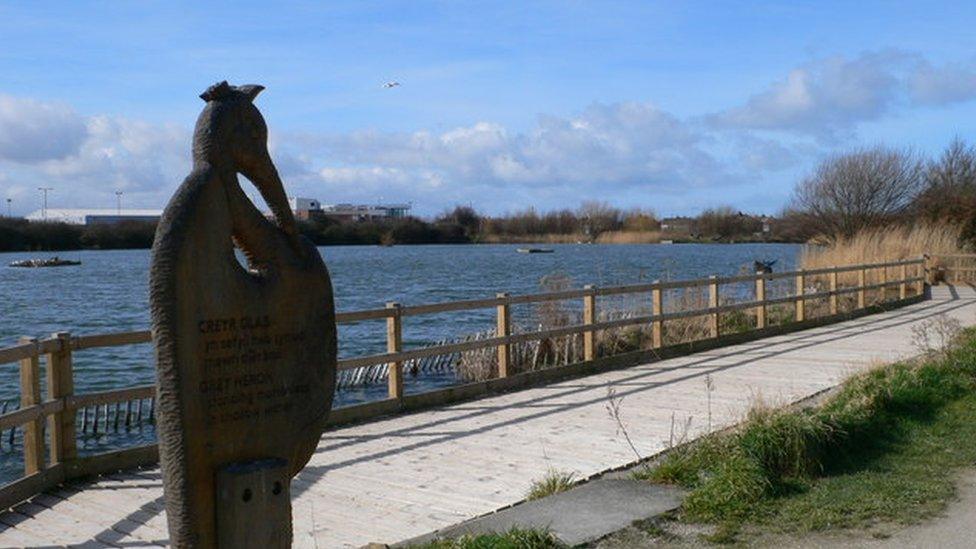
point(513, 539)
point(883, 204)
point(849, 200)
point(882, 448)
point(593, 222)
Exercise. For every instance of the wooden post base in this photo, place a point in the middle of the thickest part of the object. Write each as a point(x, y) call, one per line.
point(254, 505)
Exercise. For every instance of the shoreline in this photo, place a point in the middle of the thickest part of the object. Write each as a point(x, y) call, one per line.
point(513, 241)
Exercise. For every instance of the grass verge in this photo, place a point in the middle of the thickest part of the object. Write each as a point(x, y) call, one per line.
point(513, 539)
point(882, 448)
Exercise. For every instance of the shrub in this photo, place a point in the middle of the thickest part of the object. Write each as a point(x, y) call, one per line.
point(553, 482)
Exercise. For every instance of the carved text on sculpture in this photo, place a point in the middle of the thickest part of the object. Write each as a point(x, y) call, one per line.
point(240, 356)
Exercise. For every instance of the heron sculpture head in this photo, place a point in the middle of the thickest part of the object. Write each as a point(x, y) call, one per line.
point(231, 136)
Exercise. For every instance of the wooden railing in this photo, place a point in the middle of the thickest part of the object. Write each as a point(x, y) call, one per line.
point(952, 268)
point(58, 405)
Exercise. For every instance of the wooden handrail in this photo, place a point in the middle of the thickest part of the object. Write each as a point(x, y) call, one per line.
point(450, 348)
point(952, 268)
point(60, 408)
point(28, 414)
point(17, 352)
point(21, 351)
point(111, 340)
point(74, 402)
point(953, 255)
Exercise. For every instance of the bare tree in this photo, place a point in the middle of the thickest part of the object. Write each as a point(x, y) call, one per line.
point(727, 222)
point(865, 188)
point(950, 186)
point(598, 217)
point(637, 219)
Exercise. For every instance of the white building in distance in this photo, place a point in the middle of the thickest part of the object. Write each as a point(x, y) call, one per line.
point(309, 208)
point(94, 216)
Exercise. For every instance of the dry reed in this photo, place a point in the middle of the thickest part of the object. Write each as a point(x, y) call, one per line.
point(629, 237)
point(885, 244)
point(549, 238)
point(606, 237)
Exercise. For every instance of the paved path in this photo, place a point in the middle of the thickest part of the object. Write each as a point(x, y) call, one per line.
point(951, 529)
point(404, 476)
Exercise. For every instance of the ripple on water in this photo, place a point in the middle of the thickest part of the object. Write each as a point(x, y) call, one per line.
point(108, 293)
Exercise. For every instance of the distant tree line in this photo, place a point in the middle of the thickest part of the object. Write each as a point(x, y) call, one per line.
point(459, 225)
point(21, 235)
point(726, 223)
point(323, 231)
point(589, 220)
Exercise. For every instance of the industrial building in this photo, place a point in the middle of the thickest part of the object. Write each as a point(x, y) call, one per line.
point(94, 216)
point(309, 208)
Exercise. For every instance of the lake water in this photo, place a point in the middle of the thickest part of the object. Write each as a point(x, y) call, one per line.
point(108, 293)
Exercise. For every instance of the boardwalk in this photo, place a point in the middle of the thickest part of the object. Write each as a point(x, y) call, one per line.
point(400, 477)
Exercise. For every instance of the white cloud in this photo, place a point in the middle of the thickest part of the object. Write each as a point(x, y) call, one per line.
point(822, 97)
point(633, 153)
point(831, 96)
point(952, 83)
point(604, 148)
point(86, 159)
point(32, 130)
point(767, 155)
point(126, 154)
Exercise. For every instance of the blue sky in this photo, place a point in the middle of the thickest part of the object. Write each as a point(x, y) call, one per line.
point(671, 106)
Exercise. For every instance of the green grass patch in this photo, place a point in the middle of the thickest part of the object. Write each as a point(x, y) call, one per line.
point(553, 483)
point(882, 448)
point(513, 539)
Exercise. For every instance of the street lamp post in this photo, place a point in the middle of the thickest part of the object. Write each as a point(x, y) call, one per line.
point(44, 190)
point(118, 196)
point(9, 200)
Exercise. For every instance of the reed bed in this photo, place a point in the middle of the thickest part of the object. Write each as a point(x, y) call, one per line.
point(547, 238)
point(885, 244)
point(629, 237)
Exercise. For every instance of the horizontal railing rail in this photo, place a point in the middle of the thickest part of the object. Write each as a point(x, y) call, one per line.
point(952, 268)
point(49, 425)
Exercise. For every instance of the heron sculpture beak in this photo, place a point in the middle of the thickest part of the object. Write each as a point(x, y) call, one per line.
point(263, 174)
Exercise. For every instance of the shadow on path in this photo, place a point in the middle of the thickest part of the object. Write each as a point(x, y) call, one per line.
point(639, 382)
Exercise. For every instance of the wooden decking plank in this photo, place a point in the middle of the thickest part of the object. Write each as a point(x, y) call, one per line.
point(15, 537)
point(133, 507)
point(123, 527)
point(51, 527)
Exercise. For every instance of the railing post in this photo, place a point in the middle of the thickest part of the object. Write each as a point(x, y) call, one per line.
point(924, 271)
point(60, 384)
point(657, 326)
point(713, 320)
point(589, 318)
point(30, 395)
point(761, 299)
point(503, 329)
point(862, 277)
point(394, 344)
point(801, 302)
point(883, 275)
point(833, 292)
point(903, 286)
